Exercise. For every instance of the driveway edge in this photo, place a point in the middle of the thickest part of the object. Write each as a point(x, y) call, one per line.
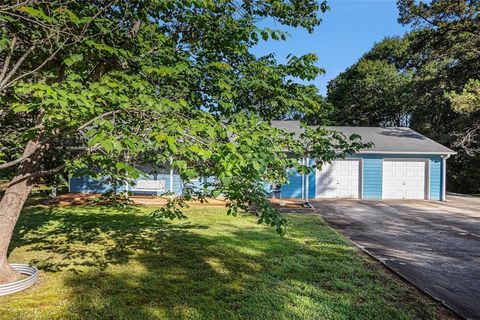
point(405, 279)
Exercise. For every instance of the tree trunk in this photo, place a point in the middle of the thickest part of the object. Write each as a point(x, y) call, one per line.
point(12, 203)
point(10, 207)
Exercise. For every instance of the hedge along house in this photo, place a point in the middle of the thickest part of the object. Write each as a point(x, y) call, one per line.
point(402, 164)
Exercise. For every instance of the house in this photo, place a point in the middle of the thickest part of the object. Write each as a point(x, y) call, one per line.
point(402, 164)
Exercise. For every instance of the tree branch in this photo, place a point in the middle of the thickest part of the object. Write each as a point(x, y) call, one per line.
point(48, 172)
point(7, 60)
point(24, 3)
point(16, 161)
point(34, 70)
point(15, 67)
point(103, 115)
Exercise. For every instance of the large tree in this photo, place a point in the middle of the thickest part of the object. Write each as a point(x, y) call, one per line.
point(429, 77)
point(376, 90)
point(101, 87)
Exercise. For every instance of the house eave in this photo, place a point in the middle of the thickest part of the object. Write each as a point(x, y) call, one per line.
point(407, 152)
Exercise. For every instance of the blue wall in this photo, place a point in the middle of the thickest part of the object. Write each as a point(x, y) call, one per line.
point(372, 176)
point(372, 171)
point(294, 188)
point(311, 182)
point(86, 184)
point(436, 177)
point(371, 188)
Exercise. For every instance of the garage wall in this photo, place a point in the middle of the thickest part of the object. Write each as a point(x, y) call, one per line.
point(436, 177)
point(372, 176)
point(372, 179)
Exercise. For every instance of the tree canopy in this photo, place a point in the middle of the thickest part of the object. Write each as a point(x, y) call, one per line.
point(374, 91)
point(427, 80)
point(101, 87)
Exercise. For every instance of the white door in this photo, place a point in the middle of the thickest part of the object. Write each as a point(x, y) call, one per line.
point(404, 179)
point(339, 179)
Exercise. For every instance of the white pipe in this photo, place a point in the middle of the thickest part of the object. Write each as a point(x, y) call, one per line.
point(303, 181)
point(444, 177)
point(306, 184)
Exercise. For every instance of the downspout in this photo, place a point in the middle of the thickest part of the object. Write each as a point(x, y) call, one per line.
point(306, 204)
point(303, 181)
point(444, 177)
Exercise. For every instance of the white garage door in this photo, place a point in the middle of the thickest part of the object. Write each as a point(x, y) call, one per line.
point(339, 179)
point(404, 179)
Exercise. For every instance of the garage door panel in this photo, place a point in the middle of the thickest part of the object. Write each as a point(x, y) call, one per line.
point(339, 180)
point(404, 179)
point(414, 183)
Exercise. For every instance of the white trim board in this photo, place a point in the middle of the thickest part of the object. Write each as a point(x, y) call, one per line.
point(406, 152)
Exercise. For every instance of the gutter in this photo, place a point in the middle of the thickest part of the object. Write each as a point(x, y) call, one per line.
point(449, 153)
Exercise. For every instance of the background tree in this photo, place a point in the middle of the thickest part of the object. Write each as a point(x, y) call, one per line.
point(375, 91)
point(435, 69)
point(102, 87)
point(447, 57)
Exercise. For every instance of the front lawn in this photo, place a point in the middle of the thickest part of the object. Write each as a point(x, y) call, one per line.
point(98, 262)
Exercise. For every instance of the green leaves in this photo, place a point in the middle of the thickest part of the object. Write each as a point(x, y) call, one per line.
point(18, 107)
point(468, 101)
point(74, 58)
point(139, 84)
point(172, 144)
point(108, 145)
point(373, 92)
point(131, 172)
point(36, 12)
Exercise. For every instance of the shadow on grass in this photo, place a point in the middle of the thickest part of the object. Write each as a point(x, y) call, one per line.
point(89, 236)
point(127, 266)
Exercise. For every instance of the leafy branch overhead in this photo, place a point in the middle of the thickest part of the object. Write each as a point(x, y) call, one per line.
point(102, 88)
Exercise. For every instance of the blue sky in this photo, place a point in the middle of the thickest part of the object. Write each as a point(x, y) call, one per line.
point(348, 30)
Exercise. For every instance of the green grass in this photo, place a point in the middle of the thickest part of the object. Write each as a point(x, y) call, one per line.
point(103, 263)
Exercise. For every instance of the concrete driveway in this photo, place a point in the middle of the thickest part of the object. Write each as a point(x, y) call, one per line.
point(435, 245)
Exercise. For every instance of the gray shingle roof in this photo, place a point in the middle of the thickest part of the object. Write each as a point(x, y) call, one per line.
point(400, 140)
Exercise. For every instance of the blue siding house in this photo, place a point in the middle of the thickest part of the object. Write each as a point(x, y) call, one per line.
point(402, 164)
point(158, 180)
